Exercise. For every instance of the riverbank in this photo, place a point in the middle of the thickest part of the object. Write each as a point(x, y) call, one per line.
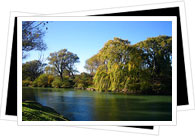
point(33, 111)
point(128, 92)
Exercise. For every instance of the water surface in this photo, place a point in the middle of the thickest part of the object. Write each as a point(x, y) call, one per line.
point(82, 105)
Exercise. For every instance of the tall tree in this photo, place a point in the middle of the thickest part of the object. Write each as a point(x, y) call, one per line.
point(145, 66)
point(116, 63)
point(32, 69)
point(157, 52)
point(32, 36)
point(92, 64)
point(63, 60)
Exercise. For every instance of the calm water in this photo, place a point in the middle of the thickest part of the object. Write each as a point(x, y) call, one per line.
point(80, 105)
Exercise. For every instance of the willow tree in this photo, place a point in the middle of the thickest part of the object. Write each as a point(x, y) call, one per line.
point(117, 63)
point(63, 60)
point(145, 66)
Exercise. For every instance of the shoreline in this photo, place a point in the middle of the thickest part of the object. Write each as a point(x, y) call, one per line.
point(114, 92)
point(34, 111)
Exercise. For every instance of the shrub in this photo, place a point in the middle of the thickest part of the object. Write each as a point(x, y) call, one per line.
point(50, 80)
point(83, 80)
point(145, 86)
point(66, 83)
point(80, 85)
point(57, 83)
point(134, 87)
point(35, 83)
point(26, 83)
point(42, 80)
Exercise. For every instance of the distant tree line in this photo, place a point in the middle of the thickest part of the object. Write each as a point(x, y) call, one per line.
point(145, 67)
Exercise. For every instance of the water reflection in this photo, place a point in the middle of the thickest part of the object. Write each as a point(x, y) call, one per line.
point(79, 105)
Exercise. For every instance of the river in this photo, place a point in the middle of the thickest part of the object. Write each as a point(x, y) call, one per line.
point(82, 105)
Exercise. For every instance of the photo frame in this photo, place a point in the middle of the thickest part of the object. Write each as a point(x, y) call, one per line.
point(98, 19)
point(181, 106)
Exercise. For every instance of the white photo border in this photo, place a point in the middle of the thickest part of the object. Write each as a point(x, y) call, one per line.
point(102, 123)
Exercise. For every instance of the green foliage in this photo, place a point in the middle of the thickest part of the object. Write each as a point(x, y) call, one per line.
point(50, 70)
point(63, 60)
point(80, 85)
point(145, 86)
point(32, 36)
point(58, 83)
point(35, 83)
point(32, 69)
point(116, 66)
point(83, 80)
point(26, 83)
point(50, 80)
point(145, 66)
point(42, 80)
point(66, 83)
point(92, 64)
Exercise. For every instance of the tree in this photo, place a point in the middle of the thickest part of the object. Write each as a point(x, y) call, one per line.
point(58, 83)
point(92, 64)
point(157, 53)
point(84, 80)
point(32, 36)
point(116, 63)
point(50, 70)
point(32, 69)
point(42, 80)
point(144, 67)
point(63, 60)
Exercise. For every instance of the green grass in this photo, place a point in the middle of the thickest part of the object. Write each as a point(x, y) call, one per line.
point(33, 111)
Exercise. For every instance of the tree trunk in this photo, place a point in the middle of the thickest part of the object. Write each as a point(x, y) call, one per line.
point(61, 76)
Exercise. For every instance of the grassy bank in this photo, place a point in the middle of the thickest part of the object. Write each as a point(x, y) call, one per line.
point(33, 111)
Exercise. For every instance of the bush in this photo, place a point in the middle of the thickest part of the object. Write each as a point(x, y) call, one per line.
point(42, 80)
point(50, 80)
point(66, 83)
point(26, 83)
point(35, 83)
point(145, 86)
point(57, 83)
point(80, 86)
point(134, 87)
point(83, 80)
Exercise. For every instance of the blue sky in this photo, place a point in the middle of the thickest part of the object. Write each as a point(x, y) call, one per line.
point(86, 38)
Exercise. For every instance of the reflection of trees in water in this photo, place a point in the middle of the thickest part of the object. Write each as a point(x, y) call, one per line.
point(78, 107)
point(28, 94)
point(106, 108)
point(132, 108)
